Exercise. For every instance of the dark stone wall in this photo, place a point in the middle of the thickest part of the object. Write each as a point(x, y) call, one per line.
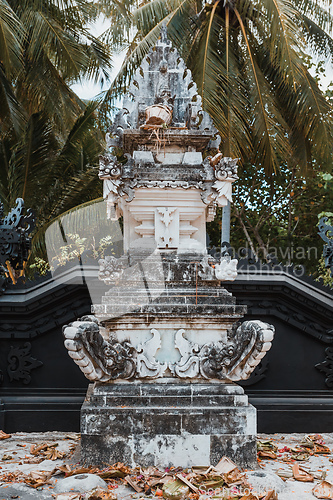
point(42, 389)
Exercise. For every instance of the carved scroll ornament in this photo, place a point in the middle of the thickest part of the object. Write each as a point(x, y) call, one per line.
point(101, 360)
point(98, 359)
point(110, 269)
point(233, 360)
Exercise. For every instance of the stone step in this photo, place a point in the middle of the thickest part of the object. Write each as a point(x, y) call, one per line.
point(141, 297)
point(154, 420)
point(169, 387)
point(181, 310)
point(170, 292)
point(168, 401)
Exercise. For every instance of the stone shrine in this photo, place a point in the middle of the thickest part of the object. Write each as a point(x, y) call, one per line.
point(165, 346)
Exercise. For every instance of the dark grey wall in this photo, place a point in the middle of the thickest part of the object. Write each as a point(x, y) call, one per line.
point(42, 389)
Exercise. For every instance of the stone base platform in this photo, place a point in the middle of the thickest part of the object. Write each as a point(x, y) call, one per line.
point(167, 424)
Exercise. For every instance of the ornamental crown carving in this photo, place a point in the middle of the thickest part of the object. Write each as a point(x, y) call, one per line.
point(162, 80)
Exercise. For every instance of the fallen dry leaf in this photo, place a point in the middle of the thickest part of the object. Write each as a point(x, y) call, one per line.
point(37, 478)
point(321, 449)
point(100, 494)
point(234, 477)
point(301, 457)
point(270, 495)
point(53, 454)
point(188, 483)
point(3, 435)
point(134, 483)
point(300, 474)
point(267, 454)
point(323, 490)
point(266, 446)
point(225, 466)
point(175, 490)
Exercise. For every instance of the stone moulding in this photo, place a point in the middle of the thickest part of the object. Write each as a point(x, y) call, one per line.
point(231, 359)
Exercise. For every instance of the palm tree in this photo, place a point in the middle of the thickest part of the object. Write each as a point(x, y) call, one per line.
point(49, 140)
point(45, 46)
point(56, 174)
point(247, 58)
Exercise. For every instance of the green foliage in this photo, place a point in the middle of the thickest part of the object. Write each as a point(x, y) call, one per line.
point(278, 217)
point(78, 249)
point(324, 274)
point(248, 59)
point(49, 140)
point(41, 266)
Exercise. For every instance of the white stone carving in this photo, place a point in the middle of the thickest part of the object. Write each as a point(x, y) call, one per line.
point(206, 271)
point(227, 269)
point(109, 269)
point(100, 360)
point(147, 366)
point(167, 227)
point(225, 174)
point(234, 359)
point(188, 365)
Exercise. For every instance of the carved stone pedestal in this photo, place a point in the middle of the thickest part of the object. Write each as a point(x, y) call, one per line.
point(163, 424)
point(166, 340)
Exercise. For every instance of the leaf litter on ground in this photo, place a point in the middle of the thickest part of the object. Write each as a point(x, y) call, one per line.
point(224, 481)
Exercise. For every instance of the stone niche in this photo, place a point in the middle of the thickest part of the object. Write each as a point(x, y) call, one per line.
point(166, 344)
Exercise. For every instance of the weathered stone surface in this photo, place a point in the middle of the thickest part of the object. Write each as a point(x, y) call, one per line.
point(166, 318)
point(80, 482)
point(262, 480)
point(161, 423)
point(225, 352)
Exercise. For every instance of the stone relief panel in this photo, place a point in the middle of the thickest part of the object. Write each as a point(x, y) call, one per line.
point(21, 363)
point(234, 358)
point(167, 227)
point(147, 366)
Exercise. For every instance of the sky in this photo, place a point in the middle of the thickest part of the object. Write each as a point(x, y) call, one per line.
point(88, 89)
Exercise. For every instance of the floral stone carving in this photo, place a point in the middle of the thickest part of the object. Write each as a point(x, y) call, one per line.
point(110, 269)
point(225, 174)
point(98, 359)
point(146, 363)
point(21, 363)
point(226, 270)
point(233, 359)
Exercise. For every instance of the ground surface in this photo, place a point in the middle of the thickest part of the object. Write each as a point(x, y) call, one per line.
point(28, 459)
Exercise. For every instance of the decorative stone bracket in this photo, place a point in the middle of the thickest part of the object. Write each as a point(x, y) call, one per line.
point(98, 359)
point(102, 360)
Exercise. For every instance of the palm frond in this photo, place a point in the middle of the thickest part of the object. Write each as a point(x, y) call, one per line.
point(12, 35)
point(82, 130)
point(30, 160)
point(12, 114)
point(267, 135)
